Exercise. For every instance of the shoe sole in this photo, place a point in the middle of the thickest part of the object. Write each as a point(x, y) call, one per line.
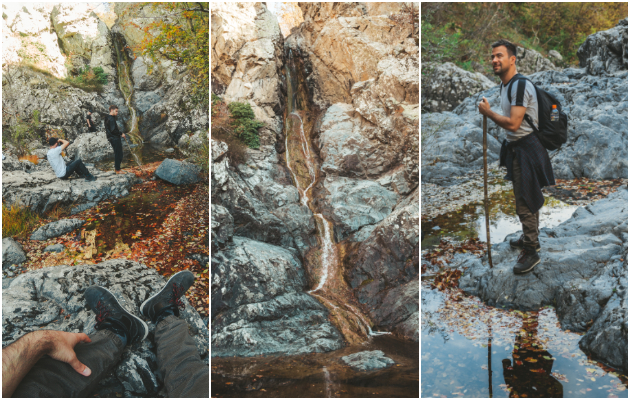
point(528, 270)
point(146, 327)
point(159, 293)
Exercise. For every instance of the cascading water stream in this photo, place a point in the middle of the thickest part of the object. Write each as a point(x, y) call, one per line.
point(124, 81)
point(329, 257)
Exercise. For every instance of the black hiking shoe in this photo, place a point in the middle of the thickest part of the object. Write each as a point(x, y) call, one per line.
point(520, 243)
point(112, 316)
point(90, 178)
point(527, 260)
point(167, 300)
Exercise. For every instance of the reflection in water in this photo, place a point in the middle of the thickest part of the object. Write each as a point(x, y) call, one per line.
point(470, 221)
point(319, 374)
point(529, 371)
point(532, 356)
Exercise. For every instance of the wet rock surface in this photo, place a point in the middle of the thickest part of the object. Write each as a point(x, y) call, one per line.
point(12, 253)
point(583, 268)
point(259, 307)
point(41, 190)
point(368, 360)
point(52, 298)
point(178, 172)
point(57, 228)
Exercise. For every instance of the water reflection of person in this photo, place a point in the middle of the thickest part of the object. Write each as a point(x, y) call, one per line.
point(531, 378)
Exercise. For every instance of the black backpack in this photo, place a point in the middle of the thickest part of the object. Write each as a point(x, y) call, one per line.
point(552, 134)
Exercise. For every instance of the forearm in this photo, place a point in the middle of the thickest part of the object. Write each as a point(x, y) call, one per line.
point(501, 120)
point(19, 357)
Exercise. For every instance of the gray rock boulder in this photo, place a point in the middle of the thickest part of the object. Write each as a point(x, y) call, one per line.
point(55, 248)
point(368, 360)
point(555, 55)
point(52, 298)
point(12, 253)
point(384, 272)
point(452, 144)
point(581, 272)
point(606, 52)
point(57, 228)
point(41, 190)
point(353, 203)
point(91, 147)
point(446, 85)
point(258, 305)
point(529, 61)
point(178, 172)
point(222, 227)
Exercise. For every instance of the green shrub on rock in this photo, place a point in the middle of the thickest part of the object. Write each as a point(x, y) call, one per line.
point(244, 124)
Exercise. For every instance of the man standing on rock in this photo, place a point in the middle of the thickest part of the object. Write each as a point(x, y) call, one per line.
point(63, 170)
point(527, 162)
point(114, 136)
point(90, 123)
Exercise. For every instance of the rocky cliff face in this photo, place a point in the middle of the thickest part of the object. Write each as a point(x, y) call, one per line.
point(346, 83)
point(47, 43)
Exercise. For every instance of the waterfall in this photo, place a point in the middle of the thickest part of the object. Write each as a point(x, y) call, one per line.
point(329, 259)
point(125, 84)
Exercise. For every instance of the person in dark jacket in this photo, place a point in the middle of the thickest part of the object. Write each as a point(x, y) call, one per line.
point(115, 137)
point(527, 162)
point(90, 123)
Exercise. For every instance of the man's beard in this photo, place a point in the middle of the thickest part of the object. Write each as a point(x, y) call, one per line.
point(498, 71)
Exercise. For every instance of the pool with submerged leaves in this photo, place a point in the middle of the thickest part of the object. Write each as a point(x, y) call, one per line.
point(469, 349)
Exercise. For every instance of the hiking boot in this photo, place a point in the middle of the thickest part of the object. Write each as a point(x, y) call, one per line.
point(520, 243)
point(527, 260)
point(90, 178)
point(112, 316)
point(166, 302)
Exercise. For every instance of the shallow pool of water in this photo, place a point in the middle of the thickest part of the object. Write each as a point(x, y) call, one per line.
point(472, 350)
point(134, 217)
point(470, 221)
point(319, 374)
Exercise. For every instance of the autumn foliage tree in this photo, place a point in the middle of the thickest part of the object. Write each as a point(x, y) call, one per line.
point(181, 35)
point(467, 29)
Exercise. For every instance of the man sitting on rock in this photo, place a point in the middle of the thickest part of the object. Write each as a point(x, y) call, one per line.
point(63, 170)
point(76, 362)
point(527, 162)
point(114, 136)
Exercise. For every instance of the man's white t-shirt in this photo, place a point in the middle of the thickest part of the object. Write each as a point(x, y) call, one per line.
point(530, 102)
point(56, 162)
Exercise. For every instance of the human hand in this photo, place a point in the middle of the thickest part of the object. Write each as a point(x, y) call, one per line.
point(123, 136)
point(61, 348)
point(484, 107)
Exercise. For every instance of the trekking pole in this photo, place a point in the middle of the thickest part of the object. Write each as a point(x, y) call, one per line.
point(485, 186)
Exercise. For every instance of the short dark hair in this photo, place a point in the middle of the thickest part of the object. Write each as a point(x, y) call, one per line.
point(113, 107)
point(53, 141)
point(508, 45)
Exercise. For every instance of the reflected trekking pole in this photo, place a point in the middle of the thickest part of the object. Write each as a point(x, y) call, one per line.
point(485, 186)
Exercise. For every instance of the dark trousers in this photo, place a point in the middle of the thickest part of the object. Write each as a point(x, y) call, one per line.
point(78, 167)
point(529, 220)
point(118, 151)
point(184, 374)
point(92, 128)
